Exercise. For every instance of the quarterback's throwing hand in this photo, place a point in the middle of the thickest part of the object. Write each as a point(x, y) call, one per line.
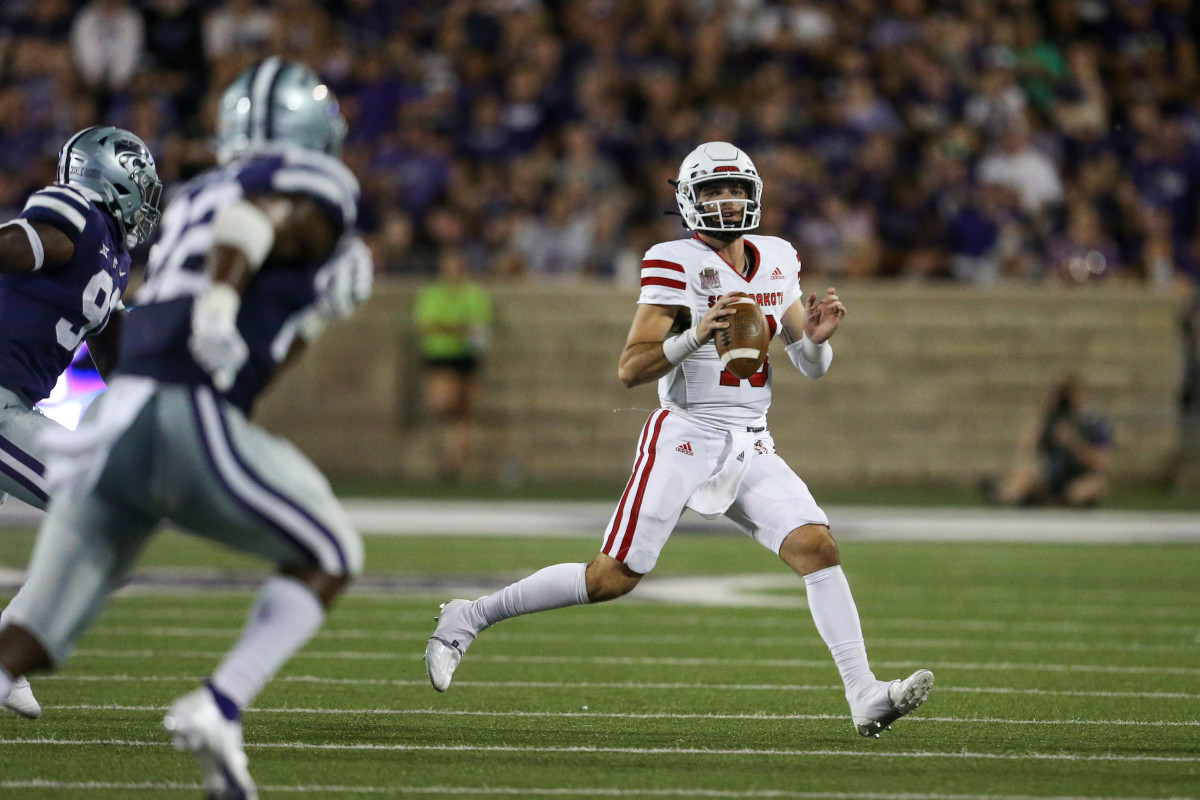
point(719, 316)
point(822, 319)
point(215, 342)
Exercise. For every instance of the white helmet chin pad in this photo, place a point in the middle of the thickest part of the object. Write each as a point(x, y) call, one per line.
point(713, 161)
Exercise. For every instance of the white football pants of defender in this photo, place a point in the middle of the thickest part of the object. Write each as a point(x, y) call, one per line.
point(22, 457)
point(675, 456)
point(190, 458)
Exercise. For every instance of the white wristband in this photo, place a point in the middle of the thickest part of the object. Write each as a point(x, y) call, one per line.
point(809, 357)
point(246, 228)
point(35, 241)
point(677, 348)
point(812, 351)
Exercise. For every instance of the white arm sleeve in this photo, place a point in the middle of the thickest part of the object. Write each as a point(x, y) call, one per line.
point(811, 359)
point(246, 228)
point(35, 241)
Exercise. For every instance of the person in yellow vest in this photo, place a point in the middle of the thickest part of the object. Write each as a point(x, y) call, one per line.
point(454, 317)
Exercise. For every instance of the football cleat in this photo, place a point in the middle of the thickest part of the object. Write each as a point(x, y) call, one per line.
point(21, 700)
point(197, 725)
point(449, 642)
point(901, 697)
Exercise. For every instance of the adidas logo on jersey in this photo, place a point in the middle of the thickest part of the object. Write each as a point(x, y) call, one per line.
point(686, 449)
point(777, 275)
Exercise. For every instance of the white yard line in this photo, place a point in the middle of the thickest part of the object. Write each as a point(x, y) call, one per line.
point(653, 751)
point(665, 661)
point(632, 685)
point(649, 616)
point(354, 634)
point(522, 791)
point(437, 712)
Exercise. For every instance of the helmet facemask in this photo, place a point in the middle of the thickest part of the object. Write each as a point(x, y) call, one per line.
point(710, 216)
point(138, 225)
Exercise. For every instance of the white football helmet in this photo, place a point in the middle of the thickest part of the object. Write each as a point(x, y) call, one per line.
point(714, 161)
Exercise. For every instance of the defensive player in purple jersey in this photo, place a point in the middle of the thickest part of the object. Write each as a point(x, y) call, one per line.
point(254, 259)
point(64, 263)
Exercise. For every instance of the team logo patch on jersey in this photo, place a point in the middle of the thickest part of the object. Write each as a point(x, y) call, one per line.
point(777, 275)
point(761, 448)
point(685, 448)
point(709, 279)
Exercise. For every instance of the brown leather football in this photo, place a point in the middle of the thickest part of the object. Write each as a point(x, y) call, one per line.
point(743, 345)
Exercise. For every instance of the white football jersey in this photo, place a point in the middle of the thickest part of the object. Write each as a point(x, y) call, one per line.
point(689, 273)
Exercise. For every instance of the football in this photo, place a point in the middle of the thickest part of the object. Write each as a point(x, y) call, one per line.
point(743, 345)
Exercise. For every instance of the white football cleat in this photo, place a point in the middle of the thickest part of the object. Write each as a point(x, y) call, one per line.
point(450, 640)
point(900, 698)
point(197, 725)
point(21, 701)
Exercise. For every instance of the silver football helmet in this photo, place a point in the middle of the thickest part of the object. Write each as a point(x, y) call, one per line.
point(715, 161)
point(278, 101)
point(115, 169)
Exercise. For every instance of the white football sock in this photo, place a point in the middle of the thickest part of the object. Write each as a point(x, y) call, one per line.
point(836, 617)
point(557, 586)
point(282, 620)
point(16, 601)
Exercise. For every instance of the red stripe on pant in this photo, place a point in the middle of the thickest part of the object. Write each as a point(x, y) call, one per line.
point(635, 509)
point(637, 465)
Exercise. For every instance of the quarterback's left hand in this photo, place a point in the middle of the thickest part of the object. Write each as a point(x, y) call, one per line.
point(822, 319)
point(344, 284)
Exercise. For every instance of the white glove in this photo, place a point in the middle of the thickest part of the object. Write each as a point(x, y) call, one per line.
point(345, 282)
point(342, 286)
point(215, 342)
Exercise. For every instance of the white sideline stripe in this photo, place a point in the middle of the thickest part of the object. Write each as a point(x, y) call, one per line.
point(852, 523)
point(657, 751)
point(521, 791)
point(358, 655)
point(417, 636)
point(725, 687)
point(438, 712)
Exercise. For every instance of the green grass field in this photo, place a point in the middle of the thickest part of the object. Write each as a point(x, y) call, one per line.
point(1062, 671)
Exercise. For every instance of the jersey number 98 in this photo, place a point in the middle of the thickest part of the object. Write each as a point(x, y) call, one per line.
point(99, 299)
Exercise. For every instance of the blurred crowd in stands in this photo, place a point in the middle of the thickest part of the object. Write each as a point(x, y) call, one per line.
point(976, 140)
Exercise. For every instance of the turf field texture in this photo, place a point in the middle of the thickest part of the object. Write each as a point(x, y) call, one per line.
point(1063, 670)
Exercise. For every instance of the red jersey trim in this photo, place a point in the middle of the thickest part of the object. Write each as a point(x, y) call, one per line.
point(668, 282)
point(656, 263)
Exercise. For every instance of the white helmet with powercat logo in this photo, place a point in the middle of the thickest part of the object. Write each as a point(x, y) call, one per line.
point(278, 101)
point(115, 168)
point(715, 161)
